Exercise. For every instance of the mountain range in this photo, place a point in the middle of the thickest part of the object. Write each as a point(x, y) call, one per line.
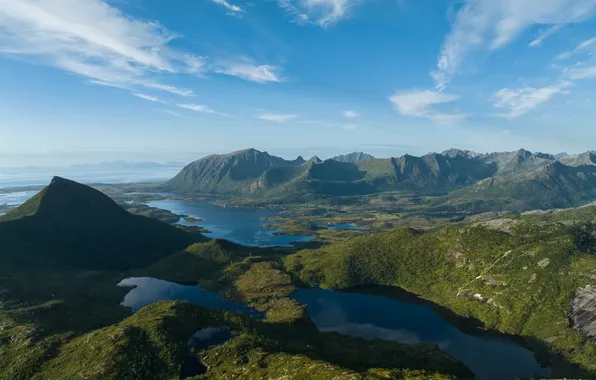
point(517, 180)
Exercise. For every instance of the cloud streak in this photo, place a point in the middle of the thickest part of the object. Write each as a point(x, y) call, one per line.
point(518, 102)
point(233, 10)
point(100, 43)
point(276, 117)
point(487, 25)
point(148, 97)
point(420, 103)
point(94, 40)
point(201, 109)
point(250, 72)
point(350, 114)
point(318, 12)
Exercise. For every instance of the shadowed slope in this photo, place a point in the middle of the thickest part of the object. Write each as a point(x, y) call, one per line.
point(78, 225)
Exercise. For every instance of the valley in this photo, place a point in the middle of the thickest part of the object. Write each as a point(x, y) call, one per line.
point(503, 280)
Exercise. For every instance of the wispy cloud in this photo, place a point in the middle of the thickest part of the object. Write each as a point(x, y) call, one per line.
point(92, 39)
point(170, 112)
point(419, 103)
point(585, 45)
point(350, 114)
point(148, 97)
point(202, 109)
point(250, 72)
point(491, 24)
point(319, 12)
point(100, 43)
point(544, 35)
point(583, 73)
point(234, 10)
point(520, 101)
point(276, 117)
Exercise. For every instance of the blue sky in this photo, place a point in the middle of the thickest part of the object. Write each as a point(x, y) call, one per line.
point(95, 80)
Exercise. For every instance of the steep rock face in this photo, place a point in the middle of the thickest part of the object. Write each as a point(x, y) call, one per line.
point(587, 158)
point(583, 311)
point(353, 157)
point(227, 174)
point(331, 170)
point(435, 171)
point(453, 153)
point(77, 225)
point(509, 163)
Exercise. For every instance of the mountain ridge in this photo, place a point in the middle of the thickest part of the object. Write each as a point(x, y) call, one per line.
point(454, 172)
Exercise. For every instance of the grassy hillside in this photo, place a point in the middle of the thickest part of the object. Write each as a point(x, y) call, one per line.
point(518, 277)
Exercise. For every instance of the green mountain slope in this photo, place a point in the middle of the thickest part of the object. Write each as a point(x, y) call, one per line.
point(551, 186)
point(519, 277)
point(77, 225)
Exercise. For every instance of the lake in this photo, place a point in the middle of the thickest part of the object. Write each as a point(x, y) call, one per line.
point(369, 316)
point(237, 224)
point(147, 290)
point(489, 356)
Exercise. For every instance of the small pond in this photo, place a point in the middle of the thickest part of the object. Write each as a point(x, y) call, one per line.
point(202, 340)
point(147, 290)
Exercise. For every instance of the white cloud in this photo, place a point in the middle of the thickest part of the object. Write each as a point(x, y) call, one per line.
point(234, 10)
point(148, 97)
point(585, 45)
point(100, 43)
point(92, 39)
point(520, 101)
point(351, 114)
point(276, 117)
point(419, 103)
point(320, 12)
point(201, 108)
point(250, 72)
point(587, 73)
point(170, 112)
point(492, 24)
point(544, 35)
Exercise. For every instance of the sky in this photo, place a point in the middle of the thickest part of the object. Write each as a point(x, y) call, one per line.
point(155, 80)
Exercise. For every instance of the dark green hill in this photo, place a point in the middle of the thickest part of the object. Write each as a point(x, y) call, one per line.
point(77, 225)
point(353, 157)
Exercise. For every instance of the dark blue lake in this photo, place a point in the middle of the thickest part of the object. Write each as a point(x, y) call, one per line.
point(147, 290)
point(237, 224)
point(370, 316)
point(489, 356)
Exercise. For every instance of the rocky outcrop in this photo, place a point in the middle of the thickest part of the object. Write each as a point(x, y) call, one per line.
point(583, 311)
